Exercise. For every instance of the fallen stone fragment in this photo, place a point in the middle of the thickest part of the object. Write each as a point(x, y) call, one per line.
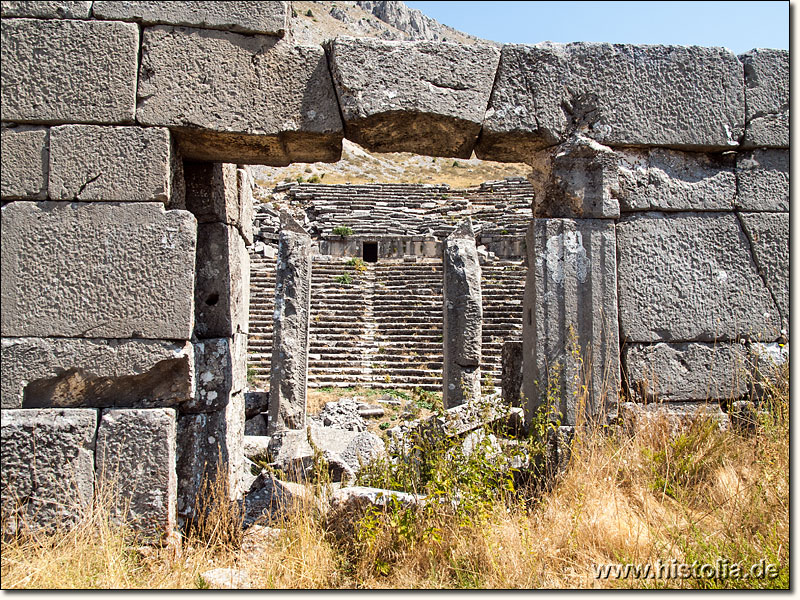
point(269, 499)
point(359, 497)
point(227, 579)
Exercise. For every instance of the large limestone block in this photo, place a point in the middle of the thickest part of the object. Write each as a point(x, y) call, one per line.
point(669, 180)
point(48, 466)
point(64, 71)
point(218, 193)
point(570, 330)
point(690, 277)
point(136, 468)
point(222, 292)
point(769, 235)
point(115, 164)
point(221, 365)
point(24, 158)
point(577, 179)
point(463, 317)
point(289, 365)
point(769, 368)
point(766, 74)
point(423, 97)
point(243, 17)
point(46, 9)
point(97, 270)
point(237, 98)
point(762, 178)
point(686, 372)
point(210, 445)
point(70, 372)
point(684, 97)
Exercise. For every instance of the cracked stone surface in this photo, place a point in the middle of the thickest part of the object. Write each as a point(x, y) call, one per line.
point(97, 270)
point(463, 317)
point(67, 71)
point(239, 98)
point(136, 467)
point(25, 161)
point(766, 73)
point(682, 97)
point(125, 164)
point(65, 373)
point(422, 97)
point(690, 277)
point(686, 372)
point(47, 479)
point(269, 18)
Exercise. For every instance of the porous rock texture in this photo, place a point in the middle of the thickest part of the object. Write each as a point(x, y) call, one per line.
point(766, 73)
point(136, 468)
point(463, 317)
point(244, 17)
point(48, 467)
point(69, 372)
point(221, 370)
point(690, 277)
point(25, 160)
point(570, 329)
point(45, 9)
point(422, 97)
point(762, 178)
point(239, 98)
point(125, 164)
point(97, 270)
point(684, 97)
point(686, 372)
point(68, 71)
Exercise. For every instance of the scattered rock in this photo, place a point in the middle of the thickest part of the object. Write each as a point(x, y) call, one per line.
point(227, 579)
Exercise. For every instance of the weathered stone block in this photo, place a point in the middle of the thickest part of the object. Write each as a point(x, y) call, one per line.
point(246, 208)
point(136, 468)
point(240, 98)
point(686, 372)
point(255, 403)
point(244, 17)
point(422, 97)
point(579, 178)
point(463, 317)
point(48, 466)
point(46, 9)
point(69, 372)
point(221, 365)
point(289, 366)
point(25, 161)
point(222, 291)
point(769, 368)
point(97, 270)
point(570, 330)
point(255, 426)
point(125, 164)
point(210, 445)
point(762, 178)
point(618, 94)
point(61, 71)
point(690, 277)
point(512, 373)
point(769, 236)
point(675, 416)
point(220, 193)
point(766, 75)
point(661, 179)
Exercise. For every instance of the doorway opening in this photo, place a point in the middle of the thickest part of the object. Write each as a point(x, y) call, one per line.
point(370, 252)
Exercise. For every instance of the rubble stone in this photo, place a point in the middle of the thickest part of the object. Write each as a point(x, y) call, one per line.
point(97, 270)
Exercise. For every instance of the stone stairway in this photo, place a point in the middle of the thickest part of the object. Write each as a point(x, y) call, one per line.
point(383, 328)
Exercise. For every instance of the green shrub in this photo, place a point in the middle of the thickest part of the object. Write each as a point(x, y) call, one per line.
point(342, 230)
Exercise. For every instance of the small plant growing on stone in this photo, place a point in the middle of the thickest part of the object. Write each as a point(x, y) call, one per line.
point(358, 264)
point(309, 13)
point(344, 279)
point(342, 230)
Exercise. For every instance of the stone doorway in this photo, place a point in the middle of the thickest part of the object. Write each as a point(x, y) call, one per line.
point(369, 252)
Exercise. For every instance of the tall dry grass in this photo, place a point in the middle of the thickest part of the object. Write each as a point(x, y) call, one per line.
point(628, 497)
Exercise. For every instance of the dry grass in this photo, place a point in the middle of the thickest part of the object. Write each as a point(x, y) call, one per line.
point(703, 495)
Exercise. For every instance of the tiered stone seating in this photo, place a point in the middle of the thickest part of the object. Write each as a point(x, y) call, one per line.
point(262, 306)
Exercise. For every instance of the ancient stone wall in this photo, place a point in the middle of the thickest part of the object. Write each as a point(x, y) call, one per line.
point(659, 254)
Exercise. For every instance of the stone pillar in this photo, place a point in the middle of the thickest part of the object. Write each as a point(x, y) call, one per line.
point(512, 373)
point(570, 323)
point(289, 369)
point(463, 317)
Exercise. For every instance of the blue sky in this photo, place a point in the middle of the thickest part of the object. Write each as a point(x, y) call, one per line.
point(739, 26)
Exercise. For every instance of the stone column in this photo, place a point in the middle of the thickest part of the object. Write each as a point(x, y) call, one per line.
point(570, 328)
point(289, 369)
point(463, 317)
